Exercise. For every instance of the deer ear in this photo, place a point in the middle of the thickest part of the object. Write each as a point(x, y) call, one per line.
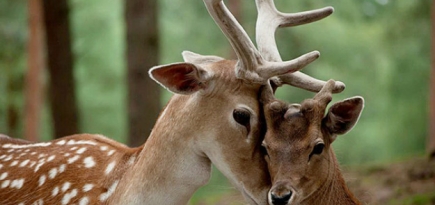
point(343, 115)
point(180, 78)
point(195, 58)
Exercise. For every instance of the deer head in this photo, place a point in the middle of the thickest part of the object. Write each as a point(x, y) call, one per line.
point(298, 142)
point(218, 98)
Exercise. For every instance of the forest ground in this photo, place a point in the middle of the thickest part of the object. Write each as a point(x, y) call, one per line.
point(407, 182)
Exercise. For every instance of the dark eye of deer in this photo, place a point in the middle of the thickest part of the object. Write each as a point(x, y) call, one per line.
point(318, 149)
point(243, 117)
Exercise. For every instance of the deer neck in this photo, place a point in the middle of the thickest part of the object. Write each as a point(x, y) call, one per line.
point(334, 190)
point(168, 169)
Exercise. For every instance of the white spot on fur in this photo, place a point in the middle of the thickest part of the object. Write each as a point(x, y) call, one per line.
point(9, 157)
point(32, 164)
point(2, 156)
point(51, 158)
point(6, 183)
point(104, 196)
point(16, 146)
point(17, 183)
point(55, 191)
point(33, 153)
point(103, 148)
point(73, 159)
point(3, 176)
point(84, 201)
point(62, 168)
point(11, 150)
point(68, 196)
point(110, 152)
point(65, 186)
point(24, 163)
point(39, 202)
point(81, 150)
point(89, 162)
point(131, 160)
point(40, 163)
point(62, 142)
point(67, 154)
point(42, 180)
point(109, 167)
point(87, 187)
point(1, 166)
point(73, 148)
point(14, 163)
point(52, 173)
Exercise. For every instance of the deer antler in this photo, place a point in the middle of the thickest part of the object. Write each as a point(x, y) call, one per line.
point(268, 20)
point(259, 66)
point(251, 65)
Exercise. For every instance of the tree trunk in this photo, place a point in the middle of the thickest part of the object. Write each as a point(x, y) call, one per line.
point(431, 138)
point(60, 66)
point(35, 65)
point(142, 53)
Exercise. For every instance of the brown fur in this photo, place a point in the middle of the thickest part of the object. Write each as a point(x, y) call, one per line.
point(299, 174)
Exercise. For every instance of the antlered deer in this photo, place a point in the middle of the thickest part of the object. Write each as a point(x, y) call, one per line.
point(302, 164)
point(213, 117)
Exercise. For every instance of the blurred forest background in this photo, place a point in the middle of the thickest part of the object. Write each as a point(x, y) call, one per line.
point(379, 48)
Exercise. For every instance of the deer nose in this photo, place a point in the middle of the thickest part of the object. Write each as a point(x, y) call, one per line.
point(280, 198)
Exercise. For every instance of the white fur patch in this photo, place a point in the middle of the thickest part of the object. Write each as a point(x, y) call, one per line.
point(62, 168)
point(5, 183)
point(51, 158)
point(87, 187)
point(42, 179)
point(110, 152)
point(17, 183)
point(110, 167)
point(24, 163)
point(104, 196)
point(84, 201)
point(52, 173)
point(14, 163)
point(89, 162)
point(3, 176)
point(73, 159)
point(62, 142)
point(68, 196)
point(55, 191)
point(16, 146)
point(81, 150)
point(66, 186)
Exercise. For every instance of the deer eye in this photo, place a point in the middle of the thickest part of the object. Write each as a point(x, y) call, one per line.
point(318, 149)
point(243, 117)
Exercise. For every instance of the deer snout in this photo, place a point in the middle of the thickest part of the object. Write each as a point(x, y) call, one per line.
point(280, 194)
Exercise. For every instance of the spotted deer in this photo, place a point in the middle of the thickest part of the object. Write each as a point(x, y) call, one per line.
point(214, 117)
point(301, 161)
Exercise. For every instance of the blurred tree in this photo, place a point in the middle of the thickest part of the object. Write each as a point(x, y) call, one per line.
point(60, 66)
point(35, 65)
point(235, 6)
point(142, 53)
point(431, 137)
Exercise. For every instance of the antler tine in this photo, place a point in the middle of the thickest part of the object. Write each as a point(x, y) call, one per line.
point(248, 55)
point(251, 65)
point(269, 19)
